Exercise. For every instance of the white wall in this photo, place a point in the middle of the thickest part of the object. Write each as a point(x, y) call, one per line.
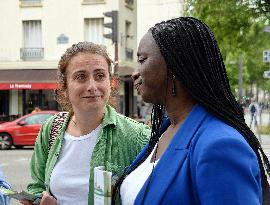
point(10, 26)
point(151, 12)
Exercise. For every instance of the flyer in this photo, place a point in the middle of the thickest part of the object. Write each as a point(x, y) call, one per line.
point(102, 186)
point(21, 195)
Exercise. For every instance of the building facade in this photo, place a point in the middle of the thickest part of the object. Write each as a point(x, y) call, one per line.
point(151, 12)
point(35, 33)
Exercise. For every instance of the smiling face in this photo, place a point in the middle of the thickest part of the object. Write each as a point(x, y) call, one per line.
point(152, 70)
point(88, 82)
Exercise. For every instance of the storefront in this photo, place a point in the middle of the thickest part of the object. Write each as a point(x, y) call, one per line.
point(23, 90)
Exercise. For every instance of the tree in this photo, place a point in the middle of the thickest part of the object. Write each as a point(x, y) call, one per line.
point(238, 26)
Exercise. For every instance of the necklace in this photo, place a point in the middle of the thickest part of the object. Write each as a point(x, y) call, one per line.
point(74, 122)
point(83, 130)
point(75, 125)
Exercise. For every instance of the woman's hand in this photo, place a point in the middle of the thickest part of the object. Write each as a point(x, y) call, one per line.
point(25, 202)
point(47, 199)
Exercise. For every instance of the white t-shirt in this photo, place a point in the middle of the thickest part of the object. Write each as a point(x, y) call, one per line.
point(135, 181)
point(69, 181)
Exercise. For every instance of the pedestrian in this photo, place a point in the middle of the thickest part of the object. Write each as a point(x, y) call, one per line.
point(4, 200)
point(91, 134)
point(35, 110)
point(254, 110)
point(203, 153)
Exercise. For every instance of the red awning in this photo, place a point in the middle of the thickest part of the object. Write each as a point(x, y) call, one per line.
point(28, 86)
point(28, 79)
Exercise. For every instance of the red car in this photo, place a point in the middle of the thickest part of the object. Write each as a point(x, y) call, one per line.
point(22, 131)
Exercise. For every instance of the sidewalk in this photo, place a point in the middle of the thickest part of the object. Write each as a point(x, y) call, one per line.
point(264, 139)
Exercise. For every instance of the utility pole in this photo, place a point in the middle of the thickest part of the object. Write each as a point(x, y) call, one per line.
point(115, 81)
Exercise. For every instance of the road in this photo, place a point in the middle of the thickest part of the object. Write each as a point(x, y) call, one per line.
point(15, 162)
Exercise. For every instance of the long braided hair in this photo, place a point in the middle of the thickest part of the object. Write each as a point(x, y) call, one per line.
point(191, 53)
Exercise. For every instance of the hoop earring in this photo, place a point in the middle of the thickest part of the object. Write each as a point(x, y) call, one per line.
point(173, 86)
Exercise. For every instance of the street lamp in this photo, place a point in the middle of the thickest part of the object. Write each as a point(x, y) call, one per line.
point(240, 76)
point(266, 58)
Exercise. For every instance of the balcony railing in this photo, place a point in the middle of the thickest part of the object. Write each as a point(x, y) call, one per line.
point(32, 53)
point(129, 54)
point(27, 3)
point(31, 1)
point(93, 1)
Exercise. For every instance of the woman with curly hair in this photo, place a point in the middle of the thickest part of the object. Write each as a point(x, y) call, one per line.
point(90, 134)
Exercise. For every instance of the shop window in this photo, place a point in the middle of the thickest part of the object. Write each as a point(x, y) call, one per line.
point(43, 99)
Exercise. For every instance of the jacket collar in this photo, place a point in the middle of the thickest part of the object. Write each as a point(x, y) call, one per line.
point(175, 154)
point(190, 125)
point(109, 117)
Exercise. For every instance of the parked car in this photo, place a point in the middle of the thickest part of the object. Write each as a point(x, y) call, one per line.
point(22, 131)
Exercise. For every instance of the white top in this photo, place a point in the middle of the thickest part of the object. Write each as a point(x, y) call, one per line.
point(135, 181)
point(69, 181)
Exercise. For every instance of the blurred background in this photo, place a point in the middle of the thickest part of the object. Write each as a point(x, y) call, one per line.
point(35, 33)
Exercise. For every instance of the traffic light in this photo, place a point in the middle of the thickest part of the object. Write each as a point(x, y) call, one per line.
point(113, 25)
point(114, 83)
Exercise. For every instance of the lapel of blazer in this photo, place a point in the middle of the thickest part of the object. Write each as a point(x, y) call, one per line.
point(172, 159)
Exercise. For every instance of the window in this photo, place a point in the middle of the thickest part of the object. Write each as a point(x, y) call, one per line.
point(37, 119)
point(93, 30)
point(32, 40)
point(128, 42)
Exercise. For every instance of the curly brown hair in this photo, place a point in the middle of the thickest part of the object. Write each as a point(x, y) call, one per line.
point(75, 49)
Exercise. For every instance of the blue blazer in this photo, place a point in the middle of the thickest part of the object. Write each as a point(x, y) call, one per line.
point(207, 162)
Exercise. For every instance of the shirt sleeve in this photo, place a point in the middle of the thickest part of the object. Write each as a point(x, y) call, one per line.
point(227, 172)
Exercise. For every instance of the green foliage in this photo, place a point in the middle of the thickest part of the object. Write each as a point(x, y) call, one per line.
point(238, 27)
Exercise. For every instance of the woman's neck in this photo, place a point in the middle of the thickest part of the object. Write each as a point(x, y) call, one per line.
point(178, 109)
point(84, 122)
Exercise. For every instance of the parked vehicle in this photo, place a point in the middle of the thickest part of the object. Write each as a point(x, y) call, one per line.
point(22, 131)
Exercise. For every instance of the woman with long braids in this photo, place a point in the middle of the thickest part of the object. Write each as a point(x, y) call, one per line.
point(203, 153)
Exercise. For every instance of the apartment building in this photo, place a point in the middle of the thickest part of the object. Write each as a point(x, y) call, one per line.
point(35, 33)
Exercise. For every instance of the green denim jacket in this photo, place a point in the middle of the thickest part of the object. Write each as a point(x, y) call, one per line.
point(118, 143)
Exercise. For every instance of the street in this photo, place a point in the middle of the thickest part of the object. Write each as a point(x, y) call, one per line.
point(15, 162)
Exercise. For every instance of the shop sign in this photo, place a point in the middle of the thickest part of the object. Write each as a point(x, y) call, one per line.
point(62, 39)
point(20, 86)
point(28, 86)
